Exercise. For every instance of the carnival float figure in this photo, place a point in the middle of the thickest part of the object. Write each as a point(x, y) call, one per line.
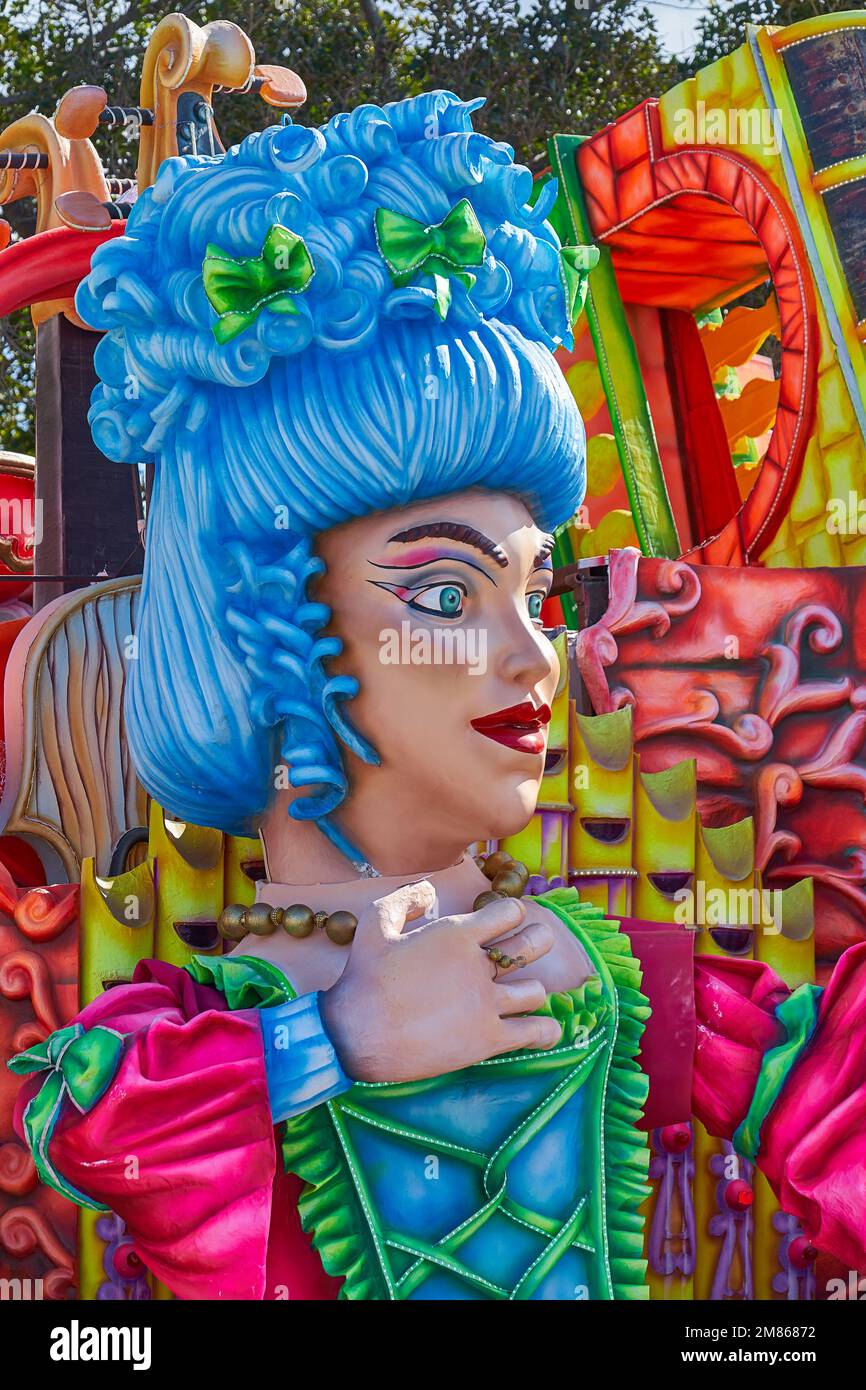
point(401, 1081)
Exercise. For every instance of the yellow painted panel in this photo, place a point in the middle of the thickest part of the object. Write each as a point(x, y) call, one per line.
point(190, 877)
point(664, 837)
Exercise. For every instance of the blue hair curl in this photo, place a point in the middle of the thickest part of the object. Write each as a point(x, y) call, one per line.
point(362, 400)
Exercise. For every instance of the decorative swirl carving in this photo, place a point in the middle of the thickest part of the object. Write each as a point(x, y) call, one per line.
point(596, 646)
point(40, 918)
point(30, 1034)
point(850, 883)
point(833, 766)
point(776, 785)
point(749, 736)
point(58, 1283)
point(24, 1230)
point(826, 633)
point(676, 577)
point(17, 1169)
point(621, 696)
point(622, 585)
point(25, 975)
point(783, 693)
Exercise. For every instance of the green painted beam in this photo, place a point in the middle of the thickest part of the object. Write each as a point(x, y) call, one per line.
point(618, 365)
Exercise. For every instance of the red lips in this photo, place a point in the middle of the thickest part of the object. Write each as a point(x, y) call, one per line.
point(521, 727)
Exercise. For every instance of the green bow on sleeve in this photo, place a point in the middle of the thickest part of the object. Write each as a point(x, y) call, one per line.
point(576, 262)
point(81, 1065)
point(446, 250)
point(240, 287)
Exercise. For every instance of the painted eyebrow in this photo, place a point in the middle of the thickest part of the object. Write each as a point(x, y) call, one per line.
point(544, 553)
point(454, 531)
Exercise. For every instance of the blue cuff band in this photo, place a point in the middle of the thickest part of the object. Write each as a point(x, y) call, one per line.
point(300, 1062)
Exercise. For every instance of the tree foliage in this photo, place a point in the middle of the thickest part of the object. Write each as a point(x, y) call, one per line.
point(550, 65)
point(545, 66)
point(723, 27)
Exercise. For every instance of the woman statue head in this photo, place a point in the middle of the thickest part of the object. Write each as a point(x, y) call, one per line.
point(336, 347)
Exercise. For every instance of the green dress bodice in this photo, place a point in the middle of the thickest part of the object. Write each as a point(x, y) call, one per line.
point(518, 1178)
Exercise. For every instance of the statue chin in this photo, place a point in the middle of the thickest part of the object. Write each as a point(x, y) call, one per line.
point(513, 810)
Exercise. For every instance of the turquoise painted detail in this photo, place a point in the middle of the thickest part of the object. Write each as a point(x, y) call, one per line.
point(520, 1178)
point(799, 1015)
point(81, 1064)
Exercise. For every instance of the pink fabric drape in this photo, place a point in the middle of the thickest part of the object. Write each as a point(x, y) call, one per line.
point(182, 1147)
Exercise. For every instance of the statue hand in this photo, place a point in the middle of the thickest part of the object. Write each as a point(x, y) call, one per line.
point(425, 1002)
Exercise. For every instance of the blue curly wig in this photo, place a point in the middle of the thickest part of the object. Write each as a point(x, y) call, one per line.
point(361, 400)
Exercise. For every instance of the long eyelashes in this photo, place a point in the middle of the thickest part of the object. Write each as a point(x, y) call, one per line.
point(443, 600)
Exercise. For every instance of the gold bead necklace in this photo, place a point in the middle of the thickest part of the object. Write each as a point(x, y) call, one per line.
point(508, 879)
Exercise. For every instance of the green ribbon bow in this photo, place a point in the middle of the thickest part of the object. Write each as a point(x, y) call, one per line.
point(81, 1065)
point(444, 250)
point(240, 287)
point(576, 262)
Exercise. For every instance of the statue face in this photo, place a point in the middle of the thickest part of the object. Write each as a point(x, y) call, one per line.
point(438, 606)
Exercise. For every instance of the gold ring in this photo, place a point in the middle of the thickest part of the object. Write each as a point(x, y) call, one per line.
point(501, 960)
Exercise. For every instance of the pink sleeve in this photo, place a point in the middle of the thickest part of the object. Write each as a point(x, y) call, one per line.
point(813, 1143)
point(181, 1146)
point(813, 1139)
point(735, 1002)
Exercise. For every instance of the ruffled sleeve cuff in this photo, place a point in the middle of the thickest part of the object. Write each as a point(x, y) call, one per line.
point(301, 1066)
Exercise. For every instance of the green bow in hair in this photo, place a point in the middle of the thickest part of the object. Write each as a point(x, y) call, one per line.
point(239, 287)
point(576, 262)
point(444, 250)
point(81, 1066)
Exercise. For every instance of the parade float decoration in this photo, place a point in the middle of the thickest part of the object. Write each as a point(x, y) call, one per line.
point(672, 767)
point(746, 175)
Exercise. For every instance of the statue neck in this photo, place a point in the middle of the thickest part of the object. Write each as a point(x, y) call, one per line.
point(297, 852)
point(456, 889)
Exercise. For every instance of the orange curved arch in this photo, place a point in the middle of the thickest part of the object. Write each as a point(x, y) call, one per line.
point(740, 224)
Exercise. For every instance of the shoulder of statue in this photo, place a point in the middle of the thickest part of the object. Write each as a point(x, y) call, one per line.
point(605, 943)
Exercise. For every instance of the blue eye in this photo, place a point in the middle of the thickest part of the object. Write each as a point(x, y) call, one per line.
point(444, 601)
point(534, 603)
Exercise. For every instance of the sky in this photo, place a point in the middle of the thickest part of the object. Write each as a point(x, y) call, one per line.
point(677, 21)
